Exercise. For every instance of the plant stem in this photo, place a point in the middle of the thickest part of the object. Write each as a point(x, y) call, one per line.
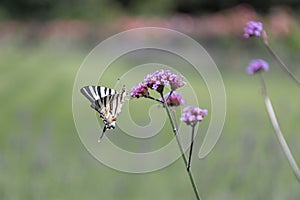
point(281, 63)
point(152, 98)
point(169, 95)
point(263, 85)
point(191, 148)
point(174, 117)
point(181, 149)
point(280, 137)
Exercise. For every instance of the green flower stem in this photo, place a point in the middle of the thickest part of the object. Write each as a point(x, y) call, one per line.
point(280, 137)
point(191, 148)
point(169, 95)
point(263, 85)
point(152, 98)
point(174, 117)
point(181, 149)
point(280, 62)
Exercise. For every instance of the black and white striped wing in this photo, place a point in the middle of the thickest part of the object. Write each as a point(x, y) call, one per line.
point(94, 93)
point(116, 103)
point(107, 102)
point(110, 107)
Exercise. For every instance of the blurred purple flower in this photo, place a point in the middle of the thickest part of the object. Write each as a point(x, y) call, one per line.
point(175, 99)
point(140, 90)
point(161, 78)
point(253, 29)
point(191, 115)
point(257, 66)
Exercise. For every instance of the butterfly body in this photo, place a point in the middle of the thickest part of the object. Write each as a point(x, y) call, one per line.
point(107, 102)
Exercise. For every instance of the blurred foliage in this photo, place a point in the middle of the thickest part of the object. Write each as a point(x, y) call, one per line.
point(41, 156)
point(195, 6)
point(103, 9)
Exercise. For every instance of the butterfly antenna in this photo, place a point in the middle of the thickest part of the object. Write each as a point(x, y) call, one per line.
point(123, 85)
point(101, 136)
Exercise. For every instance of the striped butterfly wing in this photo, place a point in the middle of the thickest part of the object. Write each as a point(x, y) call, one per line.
point(110, 107)
point(93, 93)
point(108, 102)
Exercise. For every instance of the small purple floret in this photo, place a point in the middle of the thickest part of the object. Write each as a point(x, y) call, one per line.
point(174, 100)
point(257, 66)
point(162, 78)
point(191, 115)
point(140, 90)
point(253, 29)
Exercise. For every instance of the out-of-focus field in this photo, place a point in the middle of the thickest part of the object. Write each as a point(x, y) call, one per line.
point(41, 156)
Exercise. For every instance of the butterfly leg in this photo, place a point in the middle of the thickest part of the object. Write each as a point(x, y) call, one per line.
point(101, 136)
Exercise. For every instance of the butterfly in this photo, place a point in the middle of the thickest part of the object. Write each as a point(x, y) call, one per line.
point(107, 102)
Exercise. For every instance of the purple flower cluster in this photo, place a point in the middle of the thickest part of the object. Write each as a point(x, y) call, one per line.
point(162, 78)
point(191, 115)
point(257, 66)
point(253, 29)
point(175, 99)
point(140, 90)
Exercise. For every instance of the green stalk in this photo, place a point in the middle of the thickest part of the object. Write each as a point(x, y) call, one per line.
point(276, 127)
point(191, 148)
point(280, 62)
point(181, 149)
point(152, 98)
point(174, 117)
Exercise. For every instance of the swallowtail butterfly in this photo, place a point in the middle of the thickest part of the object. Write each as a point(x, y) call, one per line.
point(107, 102)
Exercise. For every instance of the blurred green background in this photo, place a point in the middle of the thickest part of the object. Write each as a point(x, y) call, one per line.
point(43, 43)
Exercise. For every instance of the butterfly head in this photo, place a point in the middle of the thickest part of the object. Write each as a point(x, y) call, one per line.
point(110, 122)
point(110, 125)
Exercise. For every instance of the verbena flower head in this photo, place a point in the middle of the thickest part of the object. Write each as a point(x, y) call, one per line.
point(191, 115)
point(257, 66)
point(175, 99)
point(253, 29)
point(161, 78)
point(140, 90)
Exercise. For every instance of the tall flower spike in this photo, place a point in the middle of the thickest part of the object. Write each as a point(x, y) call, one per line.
point(191, 115)
point(253, 29)
point(257, 66)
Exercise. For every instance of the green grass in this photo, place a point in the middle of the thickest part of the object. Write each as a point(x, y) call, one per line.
point(41, 156)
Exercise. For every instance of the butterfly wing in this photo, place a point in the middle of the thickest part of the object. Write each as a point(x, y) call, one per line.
point(116, 103)
point(108, 102)
point(110, 107)
point(93, 93)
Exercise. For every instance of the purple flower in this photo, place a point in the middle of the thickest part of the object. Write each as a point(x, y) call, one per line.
point(253, 29)
point(257, 66)
point(191, 115)
point(140, 90)
point(174, 100)
point(161, 78)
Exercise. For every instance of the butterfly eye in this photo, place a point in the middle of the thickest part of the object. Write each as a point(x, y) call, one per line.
point(113, 119)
